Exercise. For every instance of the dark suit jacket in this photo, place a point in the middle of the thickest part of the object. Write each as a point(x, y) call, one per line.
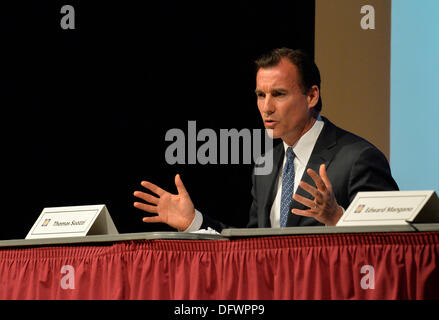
point(352, 164)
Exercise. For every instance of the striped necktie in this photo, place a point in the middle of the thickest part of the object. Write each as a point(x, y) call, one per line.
point(287, 188)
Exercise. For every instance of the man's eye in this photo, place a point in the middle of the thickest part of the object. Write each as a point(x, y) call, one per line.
point(277, 94)
point(260, 95)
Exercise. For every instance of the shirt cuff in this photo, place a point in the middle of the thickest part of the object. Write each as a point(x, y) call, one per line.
point(196, 223)
point(341, 215)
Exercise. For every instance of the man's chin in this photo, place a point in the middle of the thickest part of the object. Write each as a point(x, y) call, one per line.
point(272, 133)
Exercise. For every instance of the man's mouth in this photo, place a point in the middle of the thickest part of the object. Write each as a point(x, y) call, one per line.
point(270, 122)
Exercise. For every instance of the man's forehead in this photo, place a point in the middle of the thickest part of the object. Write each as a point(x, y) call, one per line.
point(284, 74)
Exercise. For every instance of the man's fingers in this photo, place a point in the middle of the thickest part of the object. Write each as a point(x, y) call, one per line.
point(317, 180)
point(147, 197)
point(145, 207)
point(179, 184)
point(150, 186)
point(312, 191)
point(153, 219)
point(305, 201)
point(324, 177)
point(305, 213)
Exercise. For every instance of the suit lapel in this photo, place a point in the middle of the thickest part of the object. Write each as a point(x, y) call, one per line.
point(321, 154)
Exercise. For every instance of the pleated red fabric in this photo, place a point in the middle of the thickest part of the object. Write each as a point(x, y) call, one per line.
point(336, 266)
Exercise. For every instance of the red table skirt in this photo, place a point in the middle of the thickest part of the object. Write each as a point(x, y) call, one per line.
point(337, 266)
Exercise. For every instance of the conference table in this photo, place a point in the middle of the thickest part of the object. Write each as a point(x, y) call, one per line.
point(368, 262)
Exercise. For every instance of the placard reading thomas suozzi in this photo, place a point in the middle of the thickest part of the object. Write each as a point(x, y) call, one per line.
point(72, 222)
point(391, 208)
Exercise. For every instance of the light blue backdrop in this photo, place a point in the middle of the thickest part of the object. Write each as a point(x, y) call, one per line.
point(414, 110)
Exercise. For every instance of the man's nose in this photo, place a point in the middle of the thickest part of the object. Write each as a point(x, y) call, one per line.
point(268, 105)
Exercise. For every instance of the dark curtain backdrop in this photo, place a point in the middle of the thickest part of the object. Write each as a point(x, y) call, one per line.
point(85, 111)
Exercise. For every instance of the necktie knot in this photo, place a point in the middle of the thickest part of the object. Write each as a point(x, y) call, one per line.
point(290, 154)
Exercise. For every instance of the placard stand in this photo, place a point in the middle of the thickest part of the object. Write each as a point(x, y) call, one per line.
point(76, 221)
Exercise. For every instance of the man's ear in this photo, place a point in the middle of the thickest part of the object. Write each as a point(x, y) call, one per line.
point(313, 96)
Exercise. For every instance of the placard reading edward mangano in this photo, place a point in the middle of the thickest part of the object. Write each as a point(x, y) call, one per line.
point(77, 221)
point(392, 208)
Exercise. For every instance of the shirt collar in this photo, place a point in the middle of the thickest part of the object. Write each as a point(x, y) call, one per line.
point(304, 146)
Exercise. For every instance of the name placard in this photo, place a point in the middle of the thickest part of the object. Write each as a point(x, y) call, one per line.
point(77, 221)
point(392, 208)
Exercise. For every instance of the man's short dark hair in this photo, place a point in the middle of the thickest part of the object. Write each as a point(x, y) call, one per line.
point(308, 71)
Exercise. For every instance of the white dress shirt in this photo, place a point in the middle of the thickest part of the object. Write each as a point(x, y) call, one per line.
point(302, 149)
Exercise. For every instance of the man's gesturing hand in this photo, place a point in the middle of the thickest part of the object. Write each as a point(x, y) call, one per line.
point(324, 207)
point(176, 210)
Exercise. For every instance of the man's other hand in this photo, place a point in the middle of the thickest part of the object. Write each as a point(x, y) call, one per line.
point(176, 210)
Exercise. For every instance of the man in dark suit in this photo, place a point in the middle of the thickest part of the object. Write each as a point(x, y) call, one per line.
point(293, 194)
